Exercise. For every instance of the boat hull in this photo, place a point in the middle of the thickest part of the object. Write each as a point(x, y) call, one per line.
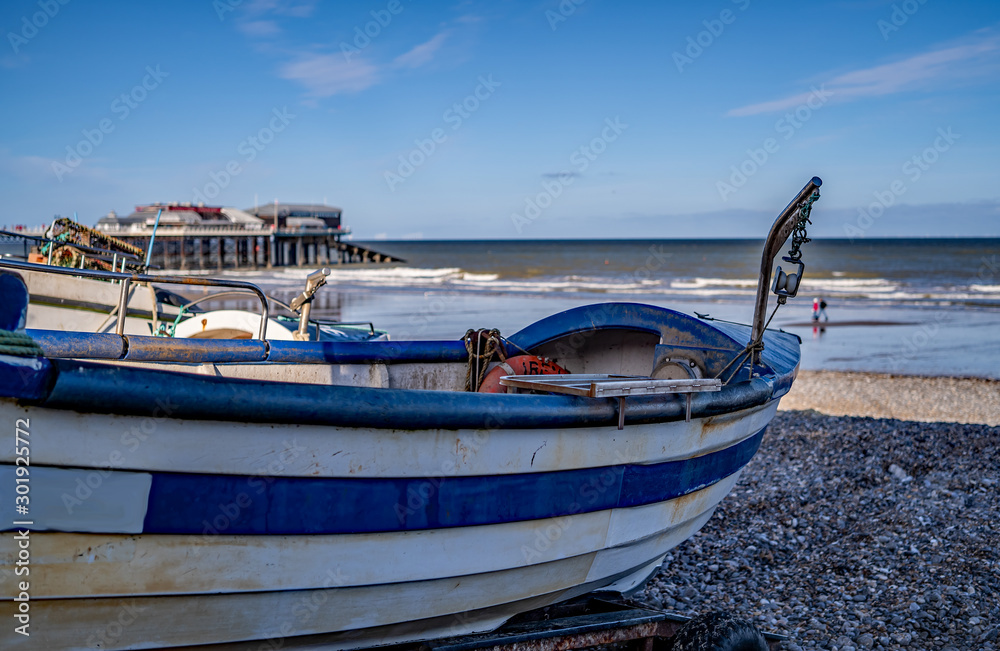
point(181, 496)
point(228, 577)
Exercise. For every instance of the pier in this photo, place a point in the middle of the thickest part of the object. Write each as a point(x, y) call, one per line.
point(187, 236)
point(241, 247)
point(194, 236)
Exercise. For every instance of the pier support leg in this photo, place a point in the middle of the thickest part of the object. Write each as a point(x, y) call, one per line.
point(221, 250)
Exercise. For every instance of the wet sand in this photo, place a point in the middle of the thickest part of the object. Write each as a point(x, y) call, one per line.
point(876, 395)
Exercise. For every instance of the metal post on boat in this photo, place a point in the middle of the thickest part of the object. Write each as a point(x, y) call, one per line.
point(303, 302)
point(123, 306)
point(776, 238)
point(152, 238)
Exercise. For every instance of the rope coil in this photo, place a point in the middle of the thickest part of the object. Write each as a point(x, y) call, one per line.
point(18, 344)
point(481, 345)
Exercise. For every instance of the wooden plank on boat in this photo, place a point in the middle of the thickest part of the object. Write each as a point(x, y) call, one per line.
point(608, 386)
point(612, 386)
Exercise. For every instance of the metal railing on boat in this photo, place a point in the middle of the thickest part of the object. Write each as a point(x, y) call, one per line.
point(126, 279)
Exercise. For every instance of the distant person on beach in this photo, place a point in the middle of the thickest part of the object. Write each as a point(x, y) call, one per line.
point(816, 309)
point(822, 311)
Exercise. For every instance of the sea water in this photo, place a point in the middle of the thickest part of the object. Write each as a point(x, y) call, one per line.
point(908, 306)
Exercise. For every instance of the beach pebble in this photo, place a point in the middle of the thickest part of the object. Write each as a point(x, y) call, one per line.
point(854, 533)
point(899, 473)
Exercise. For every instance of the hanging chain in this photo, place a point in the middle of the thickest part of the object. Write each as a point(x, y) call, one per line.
point(799, 235)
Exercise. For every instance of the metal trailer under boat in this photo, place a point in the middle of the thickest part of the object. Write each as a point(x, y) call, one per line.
point(349, 495)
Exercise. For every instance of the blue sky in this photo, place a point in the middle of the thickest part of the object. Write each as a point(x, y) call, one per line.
point(509, 119)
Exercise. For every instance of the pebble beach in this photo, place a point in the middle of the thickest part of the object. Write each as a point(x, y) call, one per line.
point(867, 520)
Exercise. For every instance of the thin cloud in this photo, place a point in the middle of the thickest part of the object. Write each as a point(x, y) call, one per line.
point(40, 169)
point(259, 28)
point(422, 53)
point(325, 75)
point(922, 71)
point(294, 8)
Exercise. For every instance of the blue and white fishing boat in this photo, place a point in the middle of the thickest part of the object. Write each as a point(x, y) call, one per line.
point(341, 495)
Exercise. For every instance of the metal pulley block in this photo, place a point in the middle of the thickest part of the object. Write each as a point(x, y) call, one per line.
point(786, 285)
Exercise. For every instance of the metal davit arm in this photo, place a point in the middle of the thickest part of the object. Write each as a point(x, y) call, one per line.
point(780, 231)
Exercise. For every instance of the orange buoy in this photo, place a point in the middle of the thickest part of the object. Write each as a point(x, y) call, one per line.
point(520, 365)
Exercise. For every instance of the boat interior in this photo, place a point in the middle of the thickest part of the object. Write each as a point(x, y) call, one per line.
point(611, 338)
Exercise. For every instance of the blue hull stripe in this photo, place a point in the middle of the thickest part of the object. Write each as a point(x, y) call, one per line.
point(207, 504)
